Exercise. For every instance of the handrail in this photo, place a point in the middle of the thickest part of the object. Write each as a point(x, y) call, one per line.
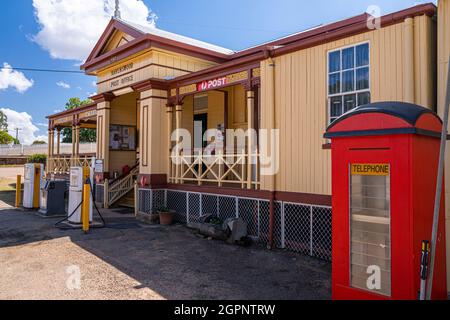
point(123, 176)
point(114, 192)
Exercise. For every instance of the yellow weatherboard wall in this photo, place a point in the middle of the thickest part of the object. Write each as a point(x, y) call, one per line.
point(301, 101)
point(123, 112)
point(118, 39)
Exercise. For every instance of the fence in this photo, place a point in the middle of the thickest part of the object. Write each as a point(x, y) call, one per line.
point(65, 148)
point(298, 227)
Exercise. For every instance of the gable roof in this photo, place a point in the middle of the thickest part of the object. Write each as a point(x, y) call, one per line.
point(153, 35)
point(147, 37)
point(176, 37)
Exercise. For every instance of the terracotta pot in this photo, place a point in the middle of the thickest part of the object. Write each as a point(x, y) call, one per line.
point(165, 218)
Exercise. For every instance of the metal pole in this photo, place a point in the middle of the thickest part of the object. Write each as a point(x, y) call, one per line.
point(18, 191)
point(86, 206)
point(440, 176)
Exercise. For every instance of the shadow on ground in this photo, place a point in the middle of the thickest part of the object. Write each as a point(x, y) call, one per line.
point(171, 261)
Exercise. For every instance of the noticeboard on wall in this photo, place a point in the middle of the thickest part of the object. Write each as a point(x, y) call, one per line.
point(122, 138)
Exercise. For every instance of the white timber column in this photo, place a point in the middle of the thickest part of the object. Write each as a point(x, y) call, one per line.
point(73, 141)
point(50, 135)
point(250, 136)
point(409, 92)
point(50, 150)
point(103, 121)
point(58, 141)
point(443, 41)
point(169, 111)
point(178, 119)
point(153, 140)
point(77, 139)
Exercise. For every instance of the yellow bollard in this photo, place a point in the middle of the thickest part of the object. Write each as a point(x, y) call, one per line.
point(86, 206)
point(18, 191)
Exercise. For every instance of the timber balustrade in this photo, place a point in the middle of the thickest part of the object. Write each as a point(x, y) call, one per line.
point(62, 165)
point(219, 170)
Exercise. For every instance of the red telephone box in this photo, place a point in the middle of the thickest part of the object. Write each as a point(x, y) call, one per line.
point(384, 170)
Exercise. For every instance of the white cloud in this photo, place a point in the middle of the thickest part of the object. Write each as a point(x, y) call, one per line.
point(62, 84)
point(23, 121)
point(69, 29)
point(14, 79)
point(94, 84)
point(57, 111)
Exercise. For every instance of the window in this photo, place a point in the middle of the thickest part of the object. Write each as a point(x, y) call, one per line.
point(348, 79)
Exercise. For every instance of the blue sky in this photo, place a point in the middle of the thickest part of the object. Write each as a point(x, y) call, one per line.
point(235, 24)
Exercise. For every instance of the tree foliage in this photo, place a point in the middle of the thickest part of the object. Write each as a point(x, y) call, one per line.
point(86, 135)
point(6, 138)
point(39, 142)
point(37, 158)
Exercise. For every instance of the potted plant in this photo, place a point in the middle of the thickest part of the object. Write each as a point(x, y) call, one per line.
point(165, 216)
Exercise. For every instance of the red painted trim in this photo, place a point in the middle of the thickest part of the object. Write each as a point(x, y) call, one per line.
point(294, 197)
point(149, 84)
point(305, 198)
point(115, 55)
point(335, 29)
point(108, 33)
point(153, 180)
point(102, 97)
point(143, 67)
point(331, 32)
point(76, 111)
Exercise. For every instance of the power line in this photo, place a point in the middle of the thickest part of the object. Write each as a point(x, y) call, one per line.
point(42, 70)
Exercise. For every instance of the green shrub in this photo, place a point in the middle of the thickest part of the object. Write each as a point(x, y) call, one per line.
point(37, 158)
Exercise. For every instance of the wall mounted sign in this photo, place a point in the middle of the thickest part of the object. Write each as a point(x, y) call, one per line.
point(63, 120)
point(370, 169)
point(217, 83)
point(98, 166)
point(88, 114)
point(222, 81)
point(122, 69)
point(121, 82)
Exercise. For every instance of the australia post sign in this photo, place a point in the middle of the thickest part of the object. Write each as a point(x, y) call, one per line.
point(212, 84)
point(222, 81)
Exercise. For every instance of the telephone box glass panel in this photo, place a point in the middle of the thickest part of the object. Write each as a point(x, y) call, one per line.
point(370, 217)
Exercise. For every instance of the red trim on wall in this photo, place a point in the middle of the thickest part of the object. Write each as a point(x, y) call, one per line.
point(294, 197)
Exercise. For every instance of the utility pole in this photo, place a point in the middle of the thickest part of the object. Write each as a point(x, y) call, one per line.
point(17, 133)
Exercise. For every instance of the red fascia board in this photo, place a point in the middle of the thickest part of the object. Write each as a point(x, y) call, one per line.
point(146, 41)
point(104, 38)
point(310, 39)
point(73, 111)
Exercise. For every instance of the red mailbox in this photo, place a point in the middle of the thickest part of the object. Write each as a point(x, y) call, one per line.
point(384, 163)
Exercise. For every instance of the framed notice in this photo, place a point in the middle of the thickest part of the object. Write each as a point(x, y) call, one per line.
point(122, 138)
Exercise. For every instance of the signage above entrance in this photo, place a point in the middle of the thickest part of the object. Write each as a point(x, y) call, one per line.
point(216, 83)
point(212, 84)
point(222, 81)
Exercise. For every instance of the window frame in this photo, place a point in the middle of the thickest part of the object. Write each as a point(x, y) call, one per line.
point(341, 72)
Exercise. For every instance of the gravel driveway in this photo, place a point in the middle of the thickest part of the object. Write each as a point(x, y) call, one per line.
point(130, 260)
